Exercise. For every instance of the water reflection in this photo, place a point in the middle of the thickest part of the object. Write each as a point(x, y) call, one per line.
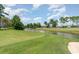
point(67, 35)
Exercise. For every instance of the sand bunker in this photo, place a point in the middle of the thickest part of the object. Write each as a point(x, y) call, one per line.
point(73, 47)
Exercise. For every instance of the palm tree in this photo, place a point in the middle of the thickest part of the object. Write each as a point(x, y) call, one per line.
point(62, 19)
point(2, 14)
point(75, 19)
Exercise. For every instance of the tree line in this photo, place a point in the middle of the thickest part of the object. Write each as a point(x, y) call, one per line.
point(16, 23)
point(73, 19)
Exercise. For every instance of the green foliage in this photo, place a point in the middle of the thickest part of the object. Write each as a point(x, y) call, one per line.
point(15, 20)
point(1, 10)
point(19, 26)
point(6, 22)
point(62, 19)
point(38, 25)
point(16, 23)
point(29, 25)
point(47, 24)
point(2, 14)
point(53, 22)
point(33, 25)
point(74, 19)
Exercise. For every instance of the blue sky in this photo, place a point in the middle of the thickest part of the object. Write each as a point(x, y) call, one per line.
point(30, 13)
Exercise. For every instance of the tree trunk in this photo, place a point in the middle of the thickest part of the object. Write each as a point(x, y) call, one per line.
point(1, 24)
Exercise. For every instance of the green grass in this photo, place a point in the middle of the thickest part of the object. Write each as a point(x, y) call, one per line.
point(13, 36)
point(22, 42)
point(67, 30)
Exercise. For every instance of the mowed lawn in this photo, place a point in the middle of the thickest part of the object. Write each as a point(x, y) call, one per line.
point(23, 42)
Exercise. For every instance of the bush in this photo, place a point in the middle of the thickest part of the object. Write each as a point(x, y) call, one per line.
point(19, 26)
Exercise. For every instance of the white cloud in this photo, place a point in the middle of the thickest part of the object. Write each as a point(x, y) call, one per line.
point(61, 10)
point(56, 10)
point(37, 18)
point(26, 20)
point(36, 6)
point(66, 15)
point(10, 5)
point(48, 14)
point(55, 6)
point(12, 12)
point(52, 16)
point(18, 11)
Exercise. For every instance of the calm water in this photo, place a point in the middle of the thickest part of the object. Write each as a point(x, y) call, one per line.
point(67, 35)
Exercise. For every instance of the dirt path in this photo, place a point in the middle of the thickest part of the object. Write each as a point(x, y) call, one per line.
point(73, 47)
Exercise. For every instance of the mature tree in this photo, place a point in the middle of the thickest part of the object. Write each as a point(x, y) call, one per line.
point(19, 26)
point(75, 19)
point(33, 25)
point(27, 26)
point(16, 23)
point(2, 14)
point(62, 19)
point(46, 24)
point(30, 25)
point(53, 22)
point(38, 25)
point(15, 19)
point(6, 22)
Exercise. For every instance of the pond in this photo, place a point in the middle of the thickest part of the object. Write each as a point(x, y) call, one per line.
point(33, 30)
point(67, 35)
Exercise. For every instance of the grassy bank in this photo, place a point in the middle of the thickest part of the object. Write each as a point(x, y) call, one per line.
point(67, 30)
point(14, 41)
